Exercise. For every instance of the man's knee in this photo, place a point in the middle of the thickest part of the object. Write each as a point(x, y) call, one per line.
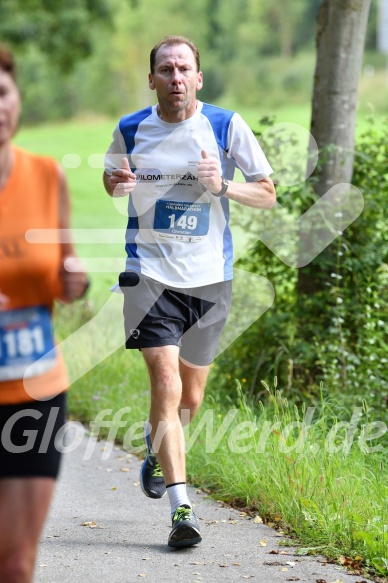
point(191, 402)
point(166, 388)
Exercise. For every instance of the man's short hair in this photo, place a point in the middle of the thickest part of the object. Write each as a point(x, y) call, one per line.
point(170, 41)
point(7, 61)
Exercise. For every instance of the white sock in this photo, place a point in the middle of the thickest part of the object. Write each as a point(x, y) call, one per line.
point(177, 496)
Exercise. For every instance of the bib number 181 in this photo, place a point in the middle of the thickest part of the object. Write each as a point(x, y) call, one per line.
point(24, 342)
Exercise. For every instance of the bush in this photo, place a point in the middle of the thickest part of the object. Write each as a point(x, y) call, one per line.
point(337, 334)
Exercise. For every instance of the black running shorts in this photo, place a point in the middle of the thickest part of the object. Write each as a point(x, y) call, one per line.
point(27, 438)
point(160, 315)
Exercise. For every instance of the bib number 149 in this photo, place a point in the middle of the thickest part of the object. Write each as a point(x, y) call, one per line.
point(184, 222)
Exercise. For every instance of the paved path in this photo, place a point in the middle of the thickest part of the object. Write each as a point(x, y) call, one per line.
point(124, 537)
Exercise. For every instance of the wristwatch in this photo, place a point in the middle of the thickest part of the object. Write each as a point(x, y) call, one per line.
point(224, 187)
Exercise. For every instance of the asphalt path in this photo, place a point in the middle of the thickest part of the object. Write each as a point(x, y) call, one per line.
point(102, 529)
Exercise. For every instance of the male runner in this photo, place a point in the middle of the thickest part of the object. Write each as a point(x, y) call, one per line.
point(177, 159)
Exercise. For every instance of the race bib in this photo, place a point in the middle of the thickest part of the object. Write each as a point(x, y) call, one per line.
point(181, 221)
point(26, 343)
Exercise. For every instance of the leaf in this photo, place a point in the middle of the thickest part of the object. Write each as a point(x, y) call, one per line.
point(89, 524)
point(305, 551)
point(263, 543)
point(349, 562)
point(257, 520)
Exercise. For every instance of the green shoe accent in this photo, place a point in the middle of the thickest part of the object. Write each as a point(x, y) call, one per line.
point(185, 528)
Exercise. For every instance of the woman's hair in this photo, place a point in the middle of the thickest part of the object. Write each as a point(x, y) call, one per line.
point(7, 61)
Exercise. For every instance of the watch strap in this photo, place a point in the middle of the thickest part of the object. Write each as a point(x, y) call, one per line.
point(224, 187)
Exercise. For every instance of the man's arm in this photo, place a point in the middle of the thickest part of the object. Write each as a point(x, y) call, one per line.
point(260, 194)
point(122, 181)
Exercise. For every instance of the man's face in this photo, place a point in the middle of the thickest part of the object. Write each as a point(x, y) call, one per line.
point(9, 107)
point(176, 81)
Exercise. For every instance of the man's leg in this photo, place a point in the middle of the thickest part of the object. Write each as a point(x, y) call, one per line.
point(166, 393)
point(177, 390)
point(193, 379)
point(167, 436)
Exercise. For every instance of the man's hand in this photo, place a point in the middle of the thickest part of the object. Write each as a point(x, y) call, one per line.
point(123, 180)
point(208, 173)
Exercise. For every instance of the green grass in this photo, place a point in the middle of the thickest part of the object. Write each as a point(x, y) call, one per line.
point(311, 478)
point(335, 502)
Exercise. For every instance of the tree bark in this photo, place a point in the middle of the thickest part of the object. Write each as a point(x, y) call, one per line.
point(340, 45)
point(340, 42)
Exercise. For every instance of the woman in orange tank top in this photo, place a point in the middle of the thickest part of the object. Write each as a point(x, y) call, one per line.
point(33, 195)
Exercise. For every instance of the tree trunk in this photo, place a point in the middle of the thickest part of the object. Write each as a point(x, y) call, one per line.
point(340, 45)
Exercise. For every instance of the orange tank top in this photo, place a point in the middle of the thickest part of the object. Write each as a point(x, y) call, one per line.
point(29, 276)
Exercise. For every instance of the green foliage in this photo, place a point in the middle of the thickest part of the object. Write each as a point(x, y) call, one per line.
point(253, 53)
point(59, 29)
point(337, 334)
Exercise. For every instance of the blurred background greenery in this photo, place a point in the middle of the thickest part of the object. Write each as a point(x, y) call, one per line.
point(90, 58)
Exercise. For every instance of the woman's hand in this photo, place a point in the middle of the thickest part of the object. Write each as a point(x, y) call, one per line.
point(4, 301)
point(74, 280)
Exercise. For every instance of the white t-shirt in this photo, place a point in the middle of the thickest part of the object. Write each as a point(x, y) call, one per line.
point(177, 231)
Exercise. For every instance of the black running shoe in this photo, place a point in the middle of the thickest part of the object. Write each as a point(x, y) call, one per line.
point(151, 477)
point(185, 528)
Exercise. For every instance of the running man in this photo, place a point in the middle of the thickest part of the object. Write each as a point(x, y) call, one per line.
point(176, 160)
